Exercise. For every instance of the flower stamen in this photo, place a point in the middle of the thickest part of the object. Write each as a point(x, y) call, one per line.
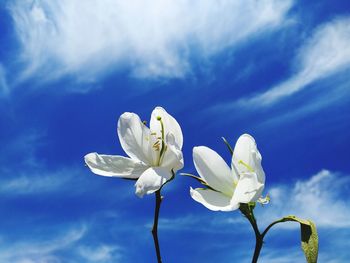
point(156, 146)
point(163, 149)
point(250, 169)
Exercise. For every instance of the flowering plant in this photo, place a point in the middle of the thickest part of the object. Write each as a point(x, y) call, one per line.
point(155, 156)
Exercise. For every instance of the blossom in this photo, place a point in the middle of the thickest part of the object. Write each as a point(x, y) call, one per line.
point(154, 153)
point(227, 187)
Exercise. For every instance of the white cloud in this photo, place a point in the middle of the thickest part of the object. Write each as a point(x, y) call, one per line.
point(280, 256)
point(30, 175)
point(65, 246)
point(101, 253)
point(149, 38)
point(323, 198)
point(326, 52)
point(214, 223)
point(42, 182)
point(44, 251)
point(3, 82)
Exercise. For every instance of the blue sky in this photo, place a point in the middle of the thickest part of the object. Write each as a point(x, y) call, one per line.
point(278, 70)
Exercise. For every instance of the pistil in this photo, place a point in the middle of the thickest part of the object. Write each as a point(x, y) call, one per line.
point(163, 149)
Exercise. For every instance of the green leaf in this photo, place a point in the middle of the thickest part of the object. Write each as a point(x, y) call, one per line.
point(309, 242)
point(309, 237)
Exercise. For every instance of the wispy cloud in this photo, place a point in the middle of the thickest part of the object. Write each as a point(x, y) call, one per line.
point(4, 89)
point(322, 198)
point(31, 251)
point(101, 253)
point(30, 175)
point(27, 142)
point(150, 39)
point(27, 174)
point(281, 256)
point(214, 223)
point(70, 244)
point(40, 183)
point(326, 52)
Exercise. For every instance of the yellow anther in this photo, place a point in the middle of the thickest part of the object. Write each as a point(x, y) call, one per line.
point(250, 169)
point(159, 118)
point(156, 146)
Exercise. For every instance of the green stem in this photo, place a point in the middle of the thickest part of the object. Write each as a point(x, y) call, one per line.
point(155, 225)
point(248, 213)
point(258, 245)
point(271, 225)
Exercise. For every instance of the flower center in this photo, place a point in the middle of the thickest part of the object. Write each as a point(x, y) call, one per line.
point(156, 146)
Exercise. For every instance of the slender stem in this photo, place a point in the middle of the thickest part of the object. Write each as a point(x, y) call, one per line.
point(155, 225)
point(269, 226)
point(258, 246)
point(248, 213)
point(258, 239)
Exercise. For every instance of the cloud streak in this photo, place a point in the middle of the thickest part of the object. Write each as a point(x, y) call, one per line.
point(71, 244)
point(149, 39)
point(326, 52)
point(101, 253)
point(4, 89)
point(319, 198)
point(40, 183)
point(322, 198)
point(31, 251)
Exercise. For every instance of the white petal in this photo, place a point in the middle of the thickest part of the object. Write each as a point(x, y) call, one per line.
point(112, 165)
point(151, 180)
point(170, 125)
point(248, 189)
point(135, 137)
point(213, 169)
point(246, 153)
point(212, 200)
point(258, 168)
point(173, 158)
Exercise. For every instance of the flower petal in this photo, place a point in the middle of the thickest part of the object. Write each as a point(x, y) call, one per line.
point(152, 180)
point(113, 165)
point(212, 200)
point(135, 137)
point(247, 158)
point(213, 169)
point(173, 158)
point(248, 189)
point(170, 125)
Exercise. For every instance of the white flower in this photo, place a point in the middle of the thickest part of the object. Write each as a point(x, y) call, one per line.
point(228, 187)
point(155, 152)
